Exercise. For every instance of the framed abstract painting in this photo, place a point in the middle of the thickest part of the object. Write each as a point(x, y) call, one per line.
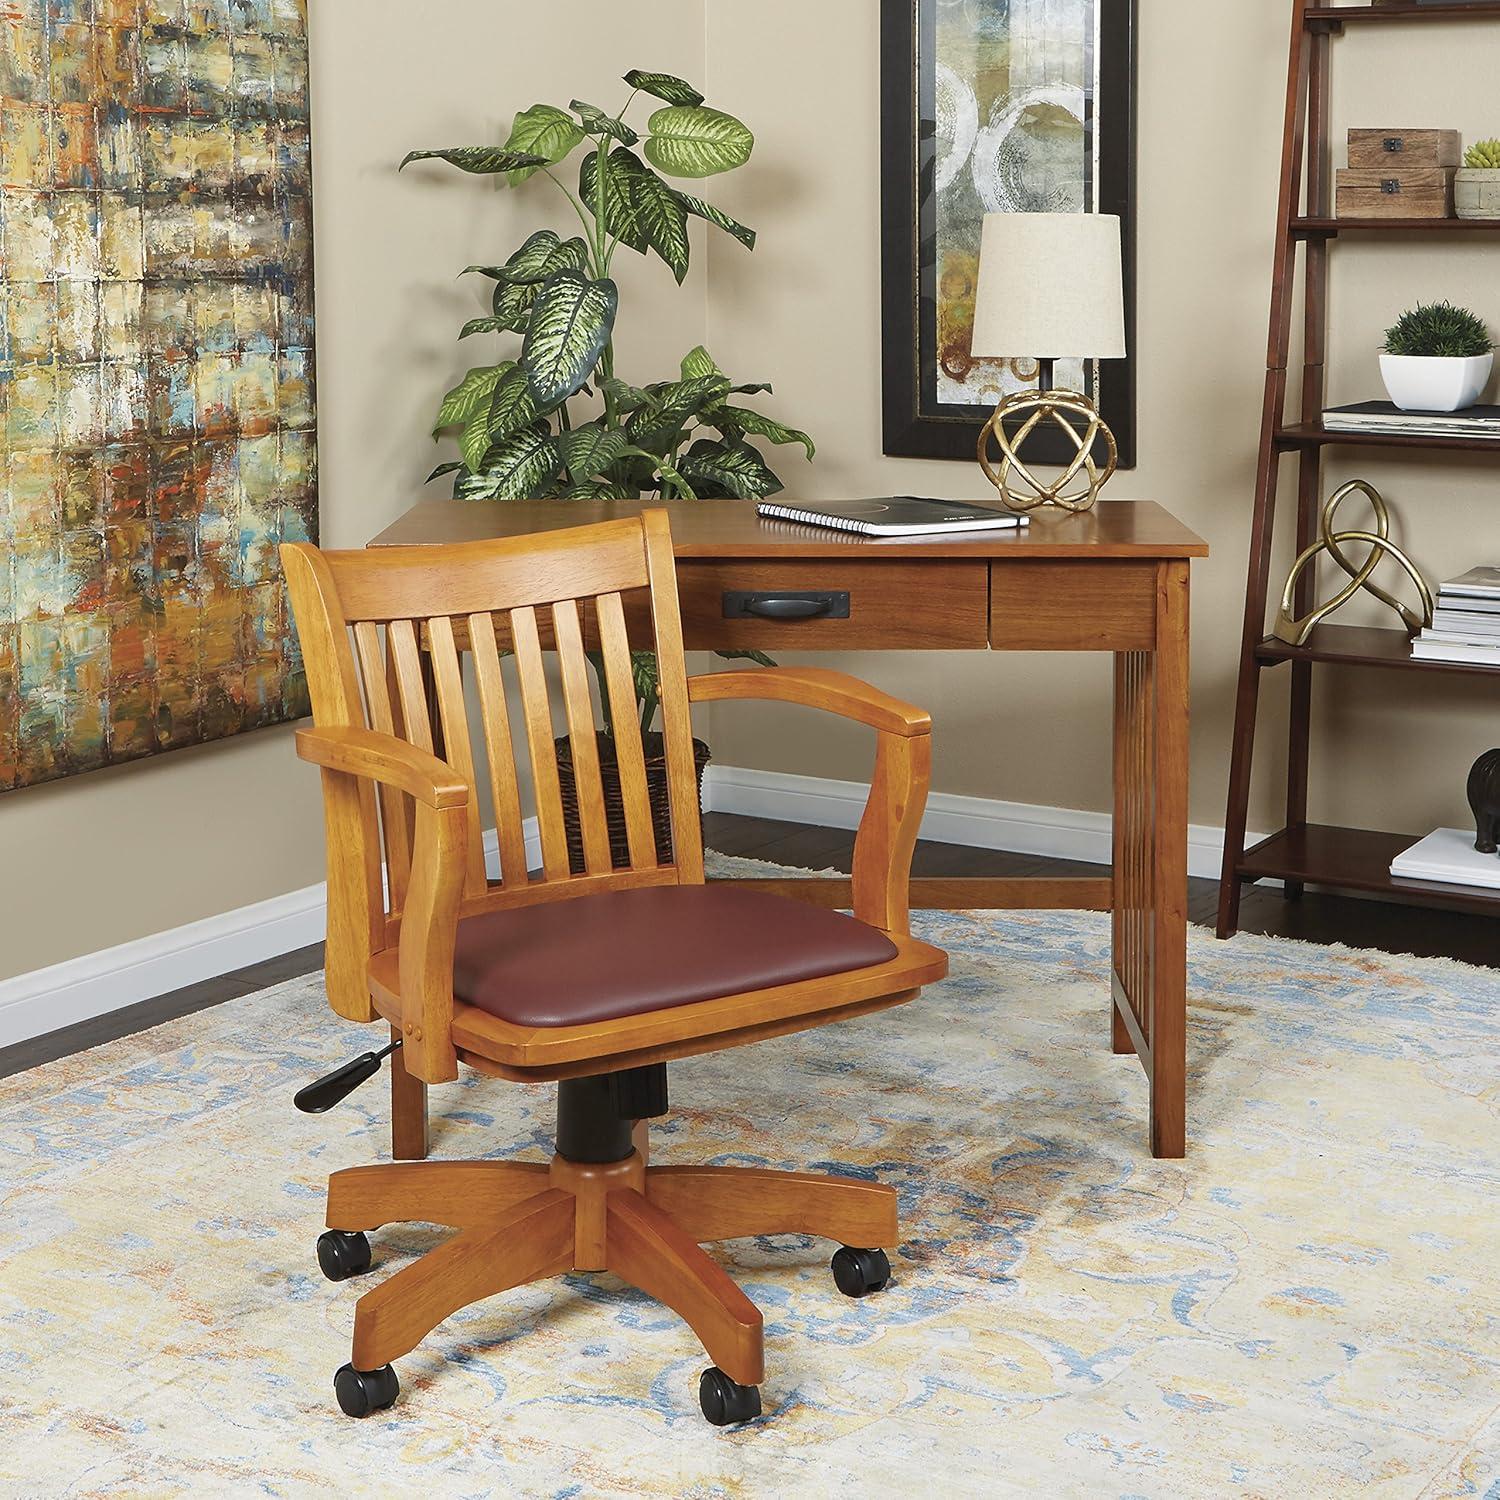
point(156, 375)
point(993, 106)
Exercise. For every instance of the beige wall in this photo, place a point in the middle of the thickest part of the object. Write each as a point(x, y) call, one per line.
point(105, 858)
point(121, 854)
point(804, 311)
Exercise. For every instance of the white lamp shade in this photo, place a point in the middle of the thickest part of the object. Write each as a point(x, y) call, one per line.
point(1050, 287)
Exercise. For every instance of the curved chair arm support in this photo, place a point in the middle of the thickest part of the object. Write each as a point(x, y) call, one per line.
point(815, 687)
point(888, 829)
point(429, 930)
point(429, 921)
point(385, 759)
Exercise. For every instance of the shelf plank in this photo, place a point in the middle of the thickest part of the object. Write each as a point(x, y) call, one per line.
point(1354, 859)
point(1458, 11)
point(1315, 435)
point(1328, 228)
point(1362, 646)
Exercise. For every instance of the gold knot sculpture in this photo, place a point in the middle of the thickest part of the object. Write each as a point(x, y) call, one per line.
point(1078, 486)
point(1296, 632)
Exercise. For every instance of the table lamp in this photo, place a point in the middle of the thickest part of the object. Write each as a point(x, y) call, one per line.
point(1050, 288)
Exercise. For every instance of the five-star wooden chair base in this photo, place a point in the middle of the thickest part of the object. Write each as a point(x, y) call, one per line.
point(520, 1222)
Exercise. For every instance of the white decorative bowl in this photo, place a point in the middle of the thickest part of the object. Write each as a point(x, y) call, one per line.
point(1416, 383)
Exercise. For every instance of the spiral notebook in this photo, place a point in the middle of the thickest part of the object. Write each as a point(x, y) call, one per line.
point(895, 515)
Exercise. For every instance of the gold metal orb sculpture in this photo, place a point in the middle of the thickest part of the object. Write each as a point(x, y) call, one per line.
point(1296, 632)
point(1077, 488)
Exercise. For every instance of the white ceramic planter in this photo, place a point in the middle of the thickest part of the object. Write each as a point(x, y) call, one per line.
point(1419, 384)
point(1476, 193)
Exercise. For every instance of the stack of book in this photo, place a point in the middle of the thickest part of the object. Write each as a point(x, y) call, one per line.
point(1449, 857)
point(1466, 623)
point(1384, 417)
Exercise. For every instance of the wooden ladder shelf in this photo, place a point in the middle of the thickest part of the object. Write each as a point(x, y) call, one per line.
point(1353, 859)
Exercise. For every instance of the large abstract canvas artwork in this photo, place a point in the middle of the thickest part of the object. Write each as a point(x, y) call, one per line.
point(156, 374)
point(991, 106)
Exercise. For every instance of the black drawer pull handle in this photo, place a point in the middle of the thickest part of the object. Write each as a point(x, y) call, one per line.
point(788, 609)
point(786, 604)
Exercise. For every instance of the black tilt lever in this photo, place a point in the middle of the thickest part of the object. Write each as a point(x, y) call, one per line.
point(333, 1088)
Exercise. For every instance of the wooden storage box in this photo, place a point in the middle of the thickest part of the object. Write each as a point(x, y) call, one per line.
point(1424, 193)
point(1402, 150)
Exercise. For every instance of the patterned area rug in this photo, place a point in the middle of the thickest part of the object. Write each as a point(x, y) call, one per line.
point(1308, 1306)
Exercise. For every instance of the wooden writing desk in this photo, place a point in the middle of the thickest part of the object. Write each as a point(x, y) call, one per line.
point(1114, 580)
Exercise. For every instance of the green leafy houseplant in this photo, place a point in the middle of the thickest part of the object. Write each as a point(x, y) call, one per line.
point(521, 423)
point(519, 434)
point(1483, 156)
point(1438, 330)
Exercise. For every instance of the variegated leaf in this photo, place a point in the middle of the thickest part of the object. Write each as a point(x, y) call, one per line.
point(571, 322)
point(696, 141)
point(512, 406)
point(620, 216)
point(746, 420)
point(729, 469)
point(545, 131)
point(663, 86)
point(484, 160)
point(662, 219)
point(471, 394)
point(597, 122)
point(716, 216)
point(517, 469)
point(591, 449)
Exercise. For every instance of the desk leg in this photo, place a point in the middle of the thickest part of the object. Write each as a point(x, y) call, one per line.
point(1134, 679)
point(1150, 849)
point(1169, 888)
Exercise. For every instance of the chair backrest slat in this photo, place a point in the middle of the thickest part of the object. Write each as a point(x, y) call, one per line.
point(536, 704)
point(411, 683)
point(499, 749)
point(386, 631)
point(676, 715)
point(378, 673)
point(614, 646)
point(448, 680)
point(588, 786)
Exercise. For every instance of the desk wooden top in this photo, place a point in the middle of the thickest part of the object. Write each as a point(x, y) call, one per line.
point(731, 528)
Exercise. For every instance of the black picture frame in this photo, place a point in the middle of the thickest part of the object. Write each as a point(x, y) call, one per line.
point(912, 429)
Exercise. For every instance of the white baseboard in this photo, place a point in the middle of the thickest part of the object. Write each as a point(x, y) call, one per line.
point(980, 822)
point(45, 1000)
point(97, 983)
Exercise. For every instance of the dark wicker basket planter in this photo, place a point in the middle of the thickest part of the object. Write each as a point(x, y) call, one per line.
point(614, 803)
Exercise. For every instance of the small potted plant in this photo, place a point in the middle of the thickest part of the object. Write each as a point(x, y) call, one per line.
point(1437, 358)
point(1476, 188)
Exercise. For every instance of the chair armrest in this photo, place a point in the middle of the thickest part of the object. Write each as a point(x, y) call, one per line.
point(887, 835)
point(385, 759)
point(429, 920)
point(815, 687)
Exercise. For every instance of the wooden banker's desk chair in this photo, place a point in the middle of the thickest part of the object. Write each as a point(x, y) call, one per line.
point(594, 980)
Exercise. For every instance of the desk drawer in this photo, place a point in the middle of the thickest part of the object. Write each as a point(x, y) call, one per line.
point(1073, 605)
point(891, 606)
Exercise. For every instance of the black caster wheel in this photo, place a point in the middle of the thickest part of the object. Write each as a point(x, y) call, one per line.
point(343, 1255)
point(362, 1391)
point(724, 1401)
point(857, 1273)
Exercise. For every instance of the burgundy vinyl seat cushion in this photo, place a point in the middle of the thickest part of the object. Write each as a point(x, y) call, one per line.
point(625, 953)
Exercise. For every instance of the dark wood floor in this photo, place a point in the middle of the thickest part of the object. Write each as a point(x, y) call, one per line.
point(1317, 918)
